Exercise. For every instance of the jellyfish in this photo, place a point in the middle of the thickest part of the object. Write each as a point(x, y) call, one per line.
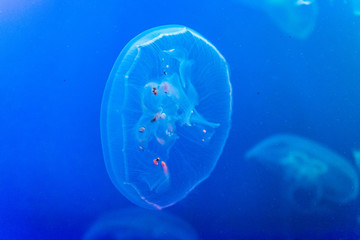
point(313, 174)
point(165, 115)
point(137, 223)
point(295, 17)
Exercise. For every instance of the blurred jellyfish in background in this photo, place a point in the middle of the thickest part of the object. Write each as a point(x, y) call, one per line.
point(295, 17)
point(136, 223)
point(311, 188)
point(314, 176)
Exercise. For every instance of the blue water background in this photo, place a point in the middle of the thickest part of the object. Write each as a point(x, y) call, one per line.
point(55, 57)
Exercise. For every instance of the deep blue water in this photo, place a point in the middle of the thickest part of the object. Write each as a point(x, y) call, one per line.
point(55, 58)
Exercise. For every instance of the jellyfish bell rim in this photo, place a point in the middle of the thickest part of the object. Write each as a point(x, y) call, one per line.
point(143, 38)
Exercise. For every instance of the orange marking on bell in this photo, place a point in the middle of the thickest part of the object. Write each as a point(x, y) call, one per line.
point(161, 141)
point(154, 90)
point(156, 161)
point(165, 169)
point(204, 131)
point(158, 116)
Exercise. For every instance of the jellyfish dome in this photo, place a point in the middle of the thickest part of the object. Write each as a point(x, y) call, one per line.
point(309, 169)
point(295, 17)
point(137, 223)
point(165, 115)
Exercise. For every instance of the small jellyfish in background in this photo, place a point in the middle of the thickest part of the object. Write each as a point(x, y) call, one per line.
point(165, 115)
point(136, 223)
point(295, 17)
point(314, 176)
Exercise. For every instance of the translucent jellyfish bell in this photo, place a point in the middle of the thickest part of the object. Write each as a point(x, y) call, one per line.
point(136, 223)
point(308, 168)
point(295, 17)
point(165, 115)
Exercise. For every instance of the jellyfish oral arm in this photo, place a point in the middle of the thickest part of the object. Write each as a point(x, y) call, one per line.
point(165, 169)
